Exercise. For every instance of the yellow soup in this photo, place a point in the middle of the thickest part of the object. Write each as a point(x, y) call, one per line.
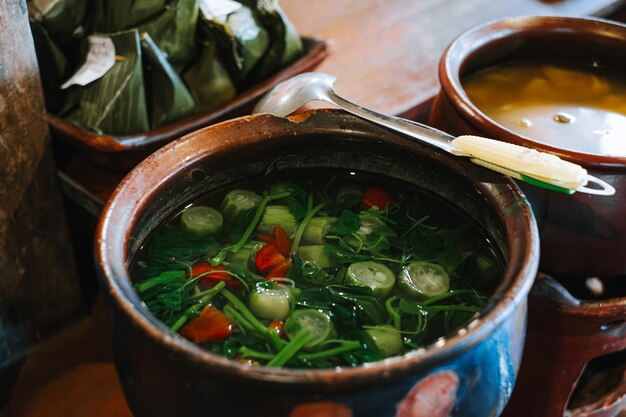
point(581, 109)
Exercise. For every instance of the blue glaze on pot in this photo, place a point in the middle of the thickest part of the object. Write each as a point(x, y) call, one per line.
point(486, 375)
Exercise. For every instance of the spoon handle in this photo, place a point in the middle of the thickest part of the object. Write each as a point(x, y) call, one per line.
point(415, 130)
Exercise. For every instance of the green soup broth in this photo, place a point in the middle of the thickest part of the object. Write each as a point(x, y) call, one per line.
point(317, 270)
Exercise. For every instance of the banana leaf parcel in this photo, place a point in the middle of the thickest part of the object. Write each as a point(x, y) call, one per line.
point(286, 42)
point(115, 103)
point(53, 67)
point(241, 37)
point(166, 94)
point(174, 30)
point(118, 15)
point(208, 80)
point(170, 23)
point(62, 19)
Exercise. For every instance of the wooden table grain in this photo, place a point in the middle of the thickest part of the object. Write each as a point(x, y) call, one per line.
point(384, 53)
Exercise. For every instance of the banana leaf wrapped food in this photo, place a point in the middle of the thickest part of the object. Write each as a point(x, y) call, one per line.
point(170, 59)
point(116, 102)
point(167, 96)
point(208, 80)
point(170, 23)
point(53, 66)
point(242, 39)
point(117, 15)
point(286, 43)
point(62, 19)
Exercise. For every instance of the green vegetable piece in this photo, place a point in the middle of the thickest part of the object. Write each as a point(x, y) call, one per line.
point(201, 221)
point(386, 338)
point(246, 254)
point(349, 195)
point(271, 303)
point(238, 203)
point(424, 279)
point(316, 230)
point(276, 216)
point(316, 322)
point(282, 187)
point(320, 254)
point(372, 234)
point(373, 275)
point(370, 225)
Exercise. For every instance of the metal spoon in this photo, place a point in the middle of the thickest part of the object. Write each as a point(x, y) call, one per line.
point(293, 93)
point(521, 163)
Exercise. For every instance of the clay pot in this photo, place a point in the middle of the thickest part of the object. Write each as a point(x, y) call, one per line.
point(581, 235)
point(469, 374)
point(565, 336)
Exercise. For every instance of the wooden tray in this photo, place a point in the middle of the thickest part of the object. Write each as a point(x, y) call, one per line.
point(120, 153)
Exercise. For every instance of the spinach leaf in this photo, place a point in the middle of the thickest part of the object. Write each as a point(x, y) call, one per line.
point(347, 224)
point(363, 309)
point(452, 259)
point(309, 273)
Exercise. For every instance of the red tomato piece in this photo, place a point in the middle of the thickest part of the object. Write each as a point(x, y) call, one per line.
point(210, 325)
point(211, 278)
point(268, 257)
point(280, 271)
point(267, 239)
point(277, 326)
point(375, 197)
point(283, 244)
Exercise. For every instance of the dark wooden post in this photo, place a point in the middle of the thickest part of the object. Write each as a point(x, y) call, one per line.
point(39, 288)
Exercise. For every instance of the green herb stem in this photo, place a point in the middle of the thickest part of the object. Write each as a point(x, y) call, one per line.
point(241, 322)
point(193, 311)
point(246, 352)
point(393, 313)
point(300, 231)
point(345, 346)
point(302, 338)
point(271, 337)
point(219, 258)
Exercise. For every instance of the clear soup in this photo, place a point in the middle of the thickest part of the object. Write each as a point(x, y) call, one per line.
point(315, 270)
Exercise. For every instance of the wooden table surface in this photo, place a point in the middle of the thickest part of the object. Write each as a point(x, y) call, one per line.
point(384, 53)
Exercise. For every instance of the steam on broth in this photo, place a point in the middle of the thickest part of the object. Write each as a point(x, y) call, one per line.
point(578, 108)
point(337, 270)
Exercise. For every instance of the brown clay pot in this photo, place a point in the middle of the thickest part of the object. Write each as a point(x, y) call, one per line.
point(469, 374)
point(581, 235)
point(564, 335)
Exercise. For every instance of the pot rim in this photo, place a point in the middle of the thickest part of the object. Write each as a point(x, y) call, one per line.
point(115, 280)
point(458, 54)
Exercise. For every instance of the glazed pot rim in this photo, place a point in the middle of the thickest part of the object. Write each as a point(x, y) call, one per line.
point(458, 52)
point(115, 279)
